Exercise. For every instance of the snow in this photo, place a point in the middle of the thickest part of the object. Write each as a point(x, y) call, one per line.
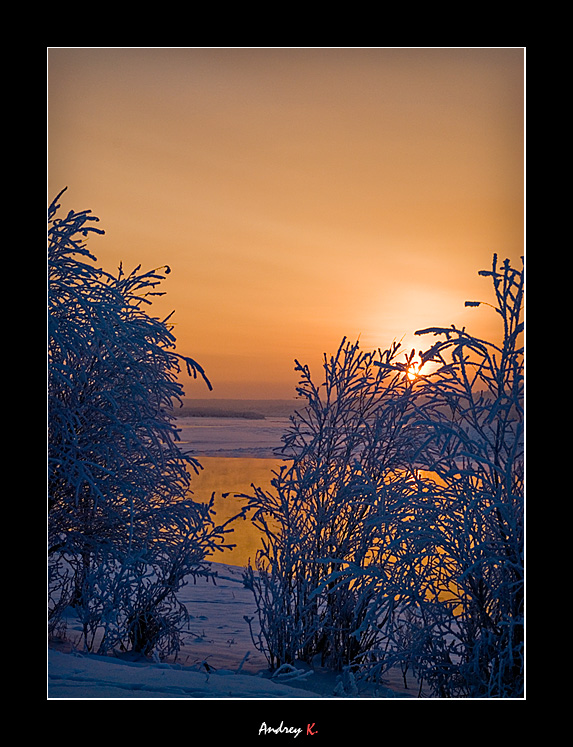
point(76, 676)
point(218, 659)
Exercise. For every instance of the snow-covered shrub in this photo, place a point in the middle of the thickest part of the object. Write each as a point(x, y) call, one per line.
point(394, 533)
point(476, 449)
point(118, 483)
point(456, 591)
point(347, 457)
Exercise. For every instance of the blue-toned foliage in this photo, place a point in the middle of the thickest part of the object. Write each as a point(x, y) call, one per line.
point(118, 483)
point(395, 535)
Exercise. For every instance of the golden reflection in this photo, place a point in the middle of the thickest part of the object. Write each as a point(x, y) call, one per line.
point(227, 476)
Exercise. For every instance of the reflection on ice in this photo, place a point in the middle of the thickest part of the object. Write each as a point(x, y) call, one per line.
point(233, 475)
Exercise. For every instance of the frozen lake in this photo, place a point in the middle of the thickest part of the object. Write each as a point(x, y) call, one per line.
point(235, 453)
point(231, 437)
point(233, 475)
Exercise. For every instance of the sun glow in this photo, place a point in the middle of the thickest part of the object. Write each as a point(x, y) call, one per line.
point(414, 368)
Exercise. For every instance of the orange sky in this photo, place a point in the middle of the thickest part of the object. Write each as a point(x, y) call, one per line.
point(298, 195)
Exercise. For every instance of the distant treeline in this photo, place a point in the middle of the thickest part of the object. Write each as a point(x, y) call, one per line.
point(200, 412)
point(256, 409)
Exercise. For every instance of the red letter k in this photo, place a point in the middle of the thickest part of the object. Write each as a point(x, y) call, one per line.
point(309, 730)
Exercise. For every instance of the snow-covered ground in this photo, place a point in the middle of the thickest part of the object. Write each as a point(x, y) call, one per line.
point(218, 659)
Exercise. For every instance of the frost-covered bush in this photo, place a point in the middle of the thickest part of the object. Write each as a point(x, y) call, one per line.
point(118, 483)
point(394, 535)
point(453, 609)
point(347, 452)
point(476, 450)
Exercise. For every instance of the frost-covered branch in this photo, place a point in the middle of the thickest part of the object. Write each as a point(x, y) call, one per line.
point(394, 531)
point(118, 483)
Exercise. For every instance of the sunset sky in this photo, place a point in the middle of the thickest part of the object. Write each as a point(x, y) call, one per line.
point(299, 195)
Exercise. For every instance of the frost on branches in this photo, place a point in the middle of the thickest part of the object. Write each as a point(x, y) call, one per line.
point(123, 532)
point(394, 535)
point(349, 453)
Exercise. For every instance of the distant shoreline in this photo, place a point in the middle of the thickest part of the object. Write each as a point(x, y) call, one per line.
point(201, 412)
point(250, 409)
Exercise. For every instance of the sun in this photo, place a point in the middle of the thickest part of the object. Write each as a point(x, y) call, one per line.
point(414, 368)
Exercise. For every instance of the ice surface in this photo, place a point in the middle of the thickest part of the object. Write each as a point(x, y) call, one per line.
point(206, 436)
